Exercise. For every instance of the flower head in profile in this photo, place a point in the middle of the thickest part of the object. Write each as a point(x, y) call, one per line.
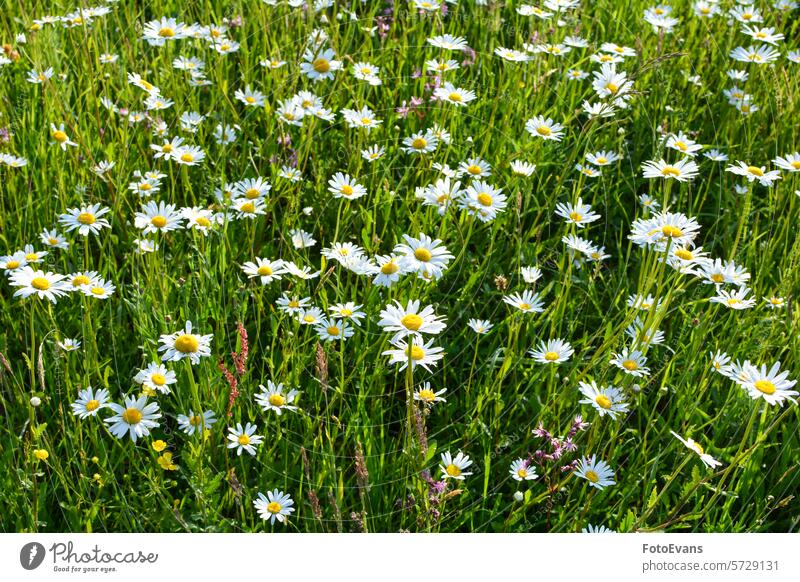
point(707, 459)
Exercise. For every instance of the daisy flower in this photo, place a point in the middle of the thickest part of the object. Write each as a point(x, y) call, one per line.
point(579, 214)
point(188, 155)
point(329, 329)
point(417, 352)
point(60, 137)
point(135, 418)
point(45, 285)
point(606, 399)
point(156, 376)
point(452, 94)
point(420, 143)
point(54, 239)
point(454, 467)
point(522, 168)
point(764, 177)
point(243, 438)
point(423, 255)
point(249, 97)
point(410, 320)
point(736, 299)
point(275, 505)
point(275, 397)
point(527, 301)
point(597, 472)
point(343, 186)
point(707, 459)
point(196, 423)
point(483, 200)
point(546, 129)
point(773, 385)
point(520, 470)
point(790, 163)
point(349, 311)
point(480, 326)
point(184, 344)
point(682, 170)
point(266, 270)
point(85, 219)
point(427, 395)
point(552, 352)
point(319, 65)
point(98, 289)
point(89, 402)
point(631, 362)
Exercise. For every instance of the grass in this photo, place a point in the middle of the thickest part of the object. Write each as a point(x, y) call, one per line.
point(353, 456)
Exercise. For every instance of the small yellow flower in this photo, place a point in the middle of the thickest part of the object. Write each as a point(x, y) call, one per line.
point(165, 461)
point(41, 454)
point(159, 446)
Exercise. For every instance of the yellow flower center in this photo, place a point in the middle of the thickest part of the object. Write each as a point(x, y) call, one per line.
point(12, 264)
point(670, 171)
point(52, 241)
point(718, 278)
point(80, 280)
point(795, 164)
point(455, 97)
point(277, 400)
point(603, 401)
point(630, 365)
point(274, 507)
point(522, 473)
point(671, 231)
point(159, 221)
point(346, 190)
point(92, 405)
point(321, 65)
point(427, 395)
point(252, 193)
point(264, 271)
point(684, 254)
point(309, 318)
point(31, 257)
point(765, 386)
point(417, 353)
point(474, 169)
point(132, 416)
point(544, 130)
point(411, 321)
point(203, 221)
point(733, 301)
point(592, 476)
point(422, 254)
point(551, 356)
point(333, 330)
point(524, 306)
point(187, 157)
point(158, 379)
point(366, 121)
point(59, 136)
point(243, 440)
point(602, 160)
point(389, 268)
point(613, 88)
point(681, 145)
point(419, 143)
point(86, 218)
point(250, 99)
point(248, 207)
point(755, 171)
point(196, 420)
point(453, 470)
point(98, 291)
point(40, 283)
point(166, 32)
point(187, 344)
point(294, 303)
point(575, 216)
point(485, 199)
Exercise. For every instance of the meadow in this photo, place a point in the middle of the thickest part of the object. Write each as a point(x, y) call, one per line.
point(379, 266)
